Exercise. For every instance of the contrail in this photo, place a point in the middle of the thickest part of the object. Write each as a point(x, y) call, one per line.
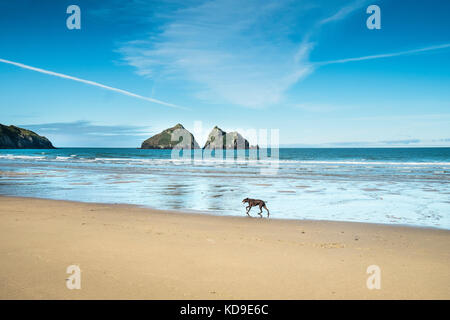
point(386, 55)
point(92, 83)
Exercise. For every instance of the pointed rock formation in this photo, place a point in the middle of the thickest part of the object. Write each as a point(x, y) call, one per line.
point(219, 139)
point(12, 137)
point(164, 140)
point(235, 141)
point(216, 139)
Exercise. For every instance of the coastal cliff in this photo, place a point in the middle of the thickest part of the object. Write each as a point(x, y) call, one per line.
point(12, 137)
point(164, 140)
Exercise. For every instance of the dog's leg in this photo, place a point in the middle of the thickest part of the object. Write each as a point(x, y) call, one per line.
point(248, 210)
point(268, 213)
point(260, 211)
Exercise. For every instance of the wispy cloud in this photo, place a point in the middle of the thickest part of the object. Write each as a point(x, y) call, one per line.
point(375, 144)
point(83, 127)
point(87, 134)
point(344, 11)
point(248, 57)
point(243, 57)
point(92, 83)
point(409, 117)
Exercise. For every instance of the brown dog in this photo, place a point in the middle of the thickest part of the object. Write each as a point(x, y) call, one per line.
point(255, 203)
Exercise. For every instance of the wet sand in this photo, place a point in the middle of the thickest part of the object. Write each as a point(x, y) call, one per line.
point(128, 252)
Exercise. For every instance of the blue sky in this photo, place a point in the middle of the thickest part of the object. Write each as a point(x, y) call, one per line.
point(311, 69)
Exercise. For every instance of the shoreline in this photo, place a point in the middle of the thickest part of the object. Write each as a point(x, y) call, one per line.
point(133, 252)
point(211, 214)
point(352, 186)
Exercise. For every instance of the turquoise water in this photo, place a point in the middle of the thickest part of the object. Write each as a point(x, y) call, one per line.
point(381, 185)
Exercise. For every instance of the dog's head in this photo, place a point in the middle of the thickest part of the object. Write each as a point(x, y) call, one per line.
point(245, 200)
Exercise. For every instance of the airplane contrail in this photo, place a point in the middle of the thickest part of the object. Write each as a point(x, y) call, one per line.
point(385, 55)
point(92, 83)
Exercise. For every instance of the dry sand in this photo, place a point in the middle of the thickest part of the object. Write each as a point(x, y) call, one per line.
point(130, 252)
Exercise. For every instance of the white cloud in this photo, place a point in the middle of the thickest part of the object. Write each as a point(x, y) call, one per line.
point(246, 53)
point(87, 134)
point(344, 11)
point(240, 56)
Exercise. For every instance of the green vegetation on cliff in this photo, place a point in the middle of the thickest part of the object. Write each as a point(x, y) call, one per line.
point(12, 137)
point(182, 139)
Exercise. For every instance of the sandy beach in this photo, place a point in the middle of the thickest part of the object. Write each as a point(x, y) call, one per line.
point(128, 252)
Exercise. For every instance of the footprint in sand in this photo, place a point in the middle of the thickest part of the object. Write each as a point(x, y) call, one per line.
point(332, 245)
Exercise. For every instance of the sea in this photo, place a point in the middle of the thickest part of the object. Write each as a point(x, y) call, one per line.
point(407, 186)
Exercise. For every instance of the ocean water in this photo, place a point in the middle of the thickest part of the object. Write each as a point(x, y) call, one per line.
point(408, 186)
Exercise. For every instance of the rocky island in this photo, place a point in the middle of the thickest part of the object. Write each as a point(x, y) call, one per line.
point(164, 140)
point(12, 137)
point(219, 139)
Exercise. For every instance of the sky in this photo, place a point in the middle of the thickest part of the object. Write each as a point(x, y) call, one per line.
point(310, 68)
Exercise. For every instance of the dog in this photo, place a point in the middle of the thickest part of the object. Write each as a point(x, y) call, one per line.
point(255, 203)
